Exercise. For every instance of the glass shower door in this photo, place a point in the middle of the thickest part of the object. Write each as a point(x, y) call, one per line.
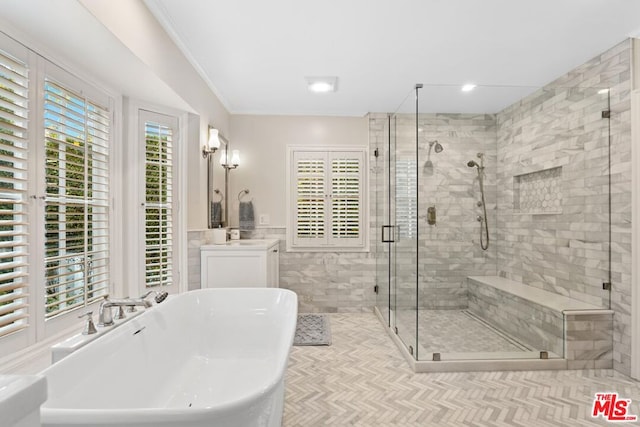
point(403, 198)
point(382, 238)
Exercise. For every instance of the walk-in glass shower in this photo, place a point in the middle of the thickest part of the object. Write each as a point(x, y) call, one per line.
point(493, 220)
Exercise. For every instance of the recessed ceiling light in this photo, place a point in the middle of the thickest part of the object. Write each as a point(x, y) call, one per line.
point(468, 87)
point(322, 84)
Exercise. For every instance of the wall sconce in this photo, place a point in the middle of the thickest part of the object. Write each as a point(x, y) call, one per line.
point(213, 143)
point(233, 163)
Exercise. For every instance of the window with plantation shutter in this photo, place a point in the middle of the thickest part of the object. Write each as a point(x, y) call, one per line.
point(345, 196)
point(310, 199)
point(326, 198)
point(159, 208)
point(76, 199)
point(55, 196)
point(14, 110)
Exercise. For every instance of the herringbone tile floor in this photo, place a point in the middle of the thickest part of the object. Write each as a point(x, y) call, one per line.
point(362, 380)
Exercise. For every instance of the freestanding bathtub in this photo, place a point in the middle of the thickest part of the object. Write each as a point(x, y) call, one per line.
point(214, 357)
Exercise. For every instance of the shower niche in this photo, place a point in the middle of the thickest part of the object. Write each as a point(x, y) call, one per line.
point(538, 192)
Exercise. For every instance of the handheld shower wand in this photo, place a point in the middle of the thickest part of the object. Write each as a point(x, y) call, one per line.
point(484, 231)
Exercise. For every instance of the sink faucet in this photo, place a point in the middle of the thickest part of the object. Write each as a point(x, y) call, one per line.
point(106, 316)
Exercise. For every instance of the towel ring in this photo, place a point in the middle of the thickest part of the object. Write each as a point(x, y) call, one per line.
point(219, 193)
point(242, 193)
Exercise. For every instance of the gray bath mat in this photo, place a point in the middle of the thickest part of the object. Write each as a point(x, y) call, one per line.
point(312, 329)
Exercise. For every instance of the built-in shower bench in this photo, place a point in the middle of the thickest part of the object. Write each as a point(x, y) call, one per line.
point(580, 332)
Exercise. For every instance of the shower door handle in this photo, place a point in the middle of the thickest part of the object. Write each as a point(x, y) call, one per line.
point(388, 233)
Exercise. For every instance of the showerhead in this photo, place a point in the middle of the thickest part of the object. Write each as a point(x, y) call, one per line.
point(472, 163)
point(438, 147)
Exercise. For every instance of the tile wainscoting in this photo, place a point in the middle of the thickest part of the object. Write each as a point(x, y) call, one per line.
point(328, 282)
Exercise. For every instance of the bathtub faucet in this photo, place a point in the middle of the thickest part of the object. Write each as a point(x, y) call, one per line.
point(106, 315)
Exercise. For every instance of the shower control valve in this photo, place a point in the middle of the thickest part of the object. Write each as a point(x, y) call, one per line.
point(479, 204)
point(479, 218)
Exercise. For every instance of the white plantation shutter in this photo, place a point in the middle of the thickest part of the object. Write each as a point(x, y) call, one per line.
point(54, 196)
point(14, 109)
point(346, 187)
point(159, 211)
point(76, 199)
point(310, 198)
point(327, 199)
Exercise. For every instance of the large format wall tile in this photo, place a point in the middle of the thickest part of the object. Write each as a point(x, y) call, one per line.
point(561, 126)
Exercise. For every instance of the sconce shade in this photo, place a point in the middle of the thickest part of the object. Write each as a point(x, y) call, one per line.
point(235, 157)
point(214, 141)
point(231, 163)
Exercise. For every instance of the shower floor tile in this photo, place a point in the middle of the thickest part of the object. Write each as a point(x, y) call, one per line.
point(453, 331)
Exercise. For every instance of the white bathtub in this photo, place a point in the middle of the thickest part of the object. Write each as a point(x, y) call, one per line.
point(215, 357)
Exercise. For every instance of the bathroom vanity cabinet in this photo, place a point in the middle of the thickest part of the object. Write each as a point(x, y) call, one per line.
point(239, 264)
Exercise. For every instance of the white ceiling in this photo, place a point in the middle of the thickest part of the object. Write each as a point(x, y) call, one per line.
point(102, 57)
point(255, 53)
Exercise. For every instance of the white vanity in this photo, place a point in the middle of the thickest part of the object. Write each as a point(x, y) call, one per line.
point(240, 264)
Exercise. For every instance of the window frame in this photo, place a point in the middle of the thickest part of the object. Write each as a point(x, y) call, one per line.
point(79, 164)
point(134, 197)
point(55, 73)
point(329, 243)
point(173, 122)
point(18, 347)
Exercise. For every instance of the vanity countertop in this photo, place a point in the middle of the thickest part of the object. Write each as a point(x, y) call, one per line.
point(242, 245)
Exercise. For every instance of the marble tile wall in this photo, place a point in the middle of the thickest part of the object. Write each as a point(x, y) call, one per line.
point(195, 239)
point(565, 252)
point(539, 328)
point(562, 125)
point(583, 337)
point(449, 251)
point(589, 340)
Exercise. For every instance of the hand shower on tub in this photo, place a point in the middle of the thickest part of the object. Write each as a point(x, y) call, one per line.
point(484, 231)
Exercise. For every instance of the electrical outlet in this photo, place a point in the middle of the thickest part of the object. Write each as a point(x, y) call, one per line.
point(307, 298)
point(263, 219)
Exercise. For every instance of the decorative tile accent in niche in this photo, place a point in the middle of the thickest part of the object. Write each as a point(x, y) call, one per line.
point(538, 192)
